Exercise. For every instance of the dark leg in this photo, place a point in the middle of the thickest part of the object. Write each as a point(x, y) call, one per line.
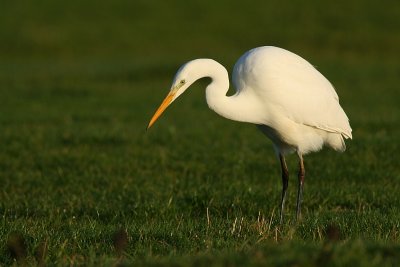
point(285, 182)
point(300, 189)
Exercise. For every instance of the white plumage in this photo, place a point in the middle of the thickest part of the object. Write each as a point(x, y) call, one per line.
point(284, 95)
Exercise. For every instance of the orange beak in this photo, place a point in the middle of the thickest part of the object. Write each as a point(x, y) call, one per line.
point(161, 109)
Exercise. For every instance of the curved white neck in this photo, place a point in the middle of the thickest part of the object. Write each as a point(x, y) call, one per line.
point(241, 107)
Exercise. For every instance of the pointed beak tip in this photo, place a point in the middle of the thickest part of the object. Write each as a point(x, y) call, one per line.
point(161, 109)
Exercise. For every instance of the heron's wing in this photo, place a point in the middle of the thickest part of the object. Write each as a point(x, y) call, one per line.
point(305, 96)
point(287, 85)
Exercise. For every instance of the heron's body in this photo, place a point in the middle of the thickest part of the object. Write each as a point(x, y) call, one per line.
point(284, 95)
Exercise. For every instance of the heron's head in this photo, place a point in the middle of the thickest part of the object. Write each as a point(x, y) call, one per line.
point(183, 79)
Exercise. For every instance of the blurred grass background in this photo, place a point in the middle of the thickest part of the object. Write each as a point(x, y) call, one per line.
point(79, 81)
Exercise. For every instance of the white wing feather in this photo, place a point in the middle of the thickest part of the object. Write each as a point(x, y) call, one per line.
point(292, 85)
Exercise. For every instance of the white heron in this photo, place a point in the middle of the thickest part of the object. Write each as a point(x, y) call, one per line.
point(291, 102)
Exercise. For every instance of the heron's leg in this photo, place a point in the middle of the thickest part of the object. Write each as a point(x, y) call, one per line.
point(300, 188)
point(285, 182)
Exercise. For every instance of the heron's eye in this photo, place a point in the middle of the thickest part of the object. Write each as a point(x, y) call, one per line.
point(182, 82)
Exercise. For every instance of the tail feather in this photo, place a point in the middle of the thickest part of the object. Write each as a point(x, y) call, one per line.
point(336, 141)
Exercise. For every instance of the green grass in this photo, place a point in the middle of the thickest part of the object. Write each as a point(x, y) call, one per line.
point(83, 183)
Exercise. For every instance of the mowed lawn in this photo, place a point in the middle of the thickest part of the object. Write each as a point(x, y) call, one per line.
point(83, 183)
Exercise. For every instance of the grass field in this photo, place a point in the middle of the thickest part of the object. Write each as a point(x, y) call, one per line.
point(83, 183)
